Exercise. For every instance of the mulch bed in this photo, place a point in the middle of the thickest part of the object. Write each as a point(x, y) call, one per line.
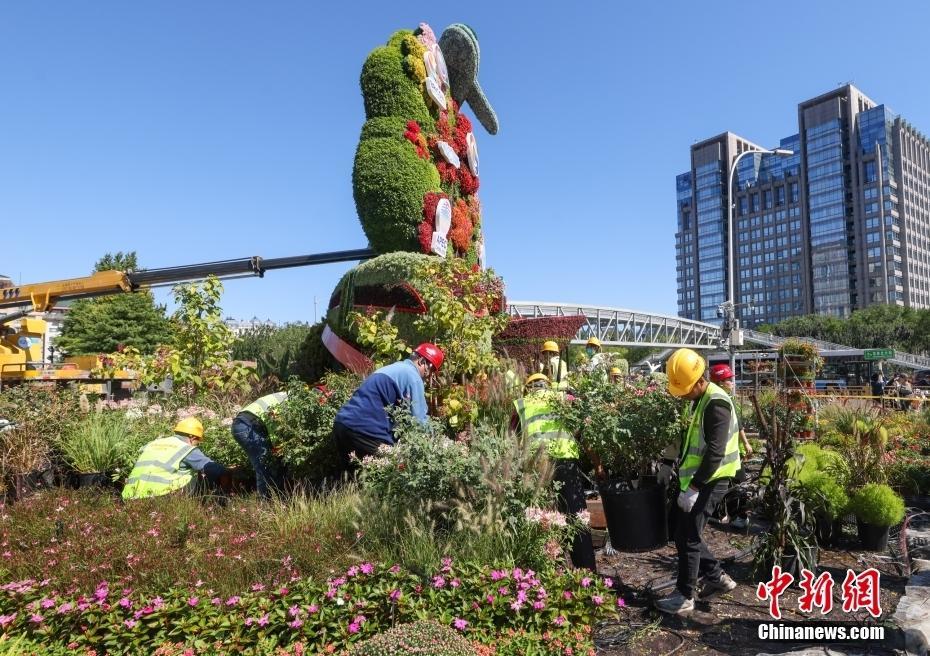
point(727, 623)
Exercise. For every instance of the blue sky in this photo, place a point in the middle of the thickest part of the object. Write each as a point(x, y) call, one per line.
point(197, 131)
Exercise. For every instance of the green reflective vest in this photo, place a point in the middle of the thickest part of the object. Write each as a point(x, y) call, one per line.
point(159, 469)
point(540, 423)
point(692, 450)
point(260, 407)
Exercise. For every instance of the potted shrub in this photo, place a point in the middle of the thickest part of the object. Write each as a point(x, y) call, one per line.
point(623, 429)
point(828, 500)
point(798, 360)
point(24, 459)
point(877, 508)
point(790, 539)
point(96, 448)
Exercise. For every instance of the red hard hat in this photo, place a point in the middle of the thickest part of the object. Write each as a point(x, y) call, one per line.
point(432, 353)
point(720, 373)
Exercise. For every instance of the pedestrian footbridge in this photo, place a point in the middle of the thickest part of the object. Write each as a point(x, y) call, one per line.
point(621, 327)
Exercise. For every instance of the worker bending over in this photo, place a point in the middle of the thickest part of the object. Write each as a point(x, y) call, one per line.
point(708, 459)
point(173, 463)
point(534, 415)
point(363, 424)
point(251, 433)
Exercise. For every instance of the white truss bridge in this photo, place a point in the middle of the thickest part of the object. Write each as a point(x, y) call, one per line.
point(621, 327)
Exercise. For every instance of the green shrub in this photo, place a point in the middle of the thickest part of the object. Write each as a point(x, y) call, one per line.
point(99, 443)
point(389, 91)
point(301, 426)
point(424, 637)
point(827, 497)
point(877, 504)
point(388, 183)
point(313, 360)
point(911, 478)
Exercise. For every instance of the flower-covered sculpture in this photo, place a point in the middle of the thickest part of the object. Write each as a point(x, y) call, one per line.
point(415, 179)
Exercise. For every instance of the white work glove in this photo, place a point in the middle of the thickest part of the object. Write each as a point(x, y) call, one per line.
point(687, 498)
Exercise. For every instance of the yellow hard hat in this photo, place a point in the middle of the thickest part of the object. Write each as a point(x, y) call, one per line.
point(594, 341)
point(532, 378)
point(615, 371)
point(190, 426)
point(550, 346)
point(684, 369)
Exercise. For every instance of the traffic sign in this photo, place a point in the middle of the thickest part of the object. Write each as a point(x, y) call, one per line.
point(878, 354)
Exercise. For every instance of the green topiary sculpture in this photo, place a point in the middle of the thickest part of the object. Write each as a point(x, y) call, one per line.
point(416, 166)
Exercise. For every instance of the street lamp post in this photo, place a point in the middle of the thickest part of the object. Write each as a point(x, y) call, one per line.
point(730, 306)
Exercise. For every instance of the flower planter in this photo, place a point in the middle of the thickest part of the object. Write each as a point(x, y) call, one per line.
point(23, 485)
point(829, 531)
point(596, 510)
point(93, 479)
point(872, 537)
point(792, 564)
point(636, 519)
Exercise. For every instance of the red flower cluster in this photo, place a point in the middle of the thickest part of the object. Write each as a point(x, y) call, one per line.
point(425, 230)
point(447, 172)
point(415, 136)
point(468, 183)
point(425, 235)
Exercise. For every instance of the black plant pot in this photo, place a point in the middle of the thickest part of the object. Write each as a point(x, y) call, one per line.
point(637, 519)
point(829, 531)
point(93, 479)
point(23, 485)
point(872, 537)
point(792, 564)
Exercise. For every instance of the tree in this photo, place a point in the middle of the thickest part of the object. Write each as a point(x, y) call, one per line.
point(106, 324)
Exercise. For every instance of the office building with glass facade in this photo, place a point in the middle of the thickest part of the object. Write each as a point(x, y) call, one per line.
point(841, 224)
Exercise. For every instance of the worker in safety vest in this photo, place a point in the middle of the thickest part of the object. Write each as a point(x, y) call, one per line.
point(534, 414)
point(708, 459)
point(363, 424)
point(251, 433)
point(722, 375)
point(616, 375)
point(595, 358)
point(553, 366)
point(169, 464)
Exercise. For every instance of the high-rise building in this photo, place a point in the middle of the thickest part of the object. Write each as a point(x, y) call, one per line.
point(841, 224)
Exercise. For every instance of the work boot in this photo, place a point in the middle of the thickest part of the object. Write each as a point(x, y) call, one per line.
point(713, 586)
point(675, 604)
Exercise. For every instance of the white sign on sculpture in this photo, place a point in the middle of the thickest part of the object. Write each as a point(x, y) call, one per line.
point(440, 62)
point(472, 152)
point(448, 154)
point(429, 59)
point(435, 92)
point(443, 222)
point(481, 251)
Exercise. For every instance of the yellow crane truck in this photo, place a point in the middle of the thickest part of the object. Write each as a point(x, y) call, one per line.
point(22, 337)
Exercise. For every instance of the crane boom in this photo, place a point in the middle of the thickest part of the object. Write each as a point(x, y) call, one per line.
point(41, 297)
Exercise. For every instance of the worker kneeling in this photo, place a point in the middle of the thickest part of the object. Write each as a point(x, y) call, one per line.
point(708, 459)
point(169, 464)
point(535, 416)
point(251, 433)
point(364, 424)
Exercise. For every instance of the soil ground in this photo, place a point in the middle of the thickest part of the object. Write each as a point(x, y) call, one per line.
point(728, 623)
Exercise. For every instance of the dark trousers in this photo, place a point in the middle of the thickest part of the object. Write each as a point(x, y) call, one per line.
point(571, 501)
point(694, 558)
point(250, 433)
point(349, 441)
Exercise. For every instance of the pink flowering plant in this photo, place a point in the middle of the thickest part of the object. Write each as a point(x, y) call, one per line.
point(485, 604)
point(624, 426)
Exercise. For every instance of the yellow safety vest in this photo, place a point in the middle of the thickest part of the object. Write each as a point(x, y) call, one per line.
point(540, 423)
point(694, 446)
point(159, 469)
point(260, 407)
